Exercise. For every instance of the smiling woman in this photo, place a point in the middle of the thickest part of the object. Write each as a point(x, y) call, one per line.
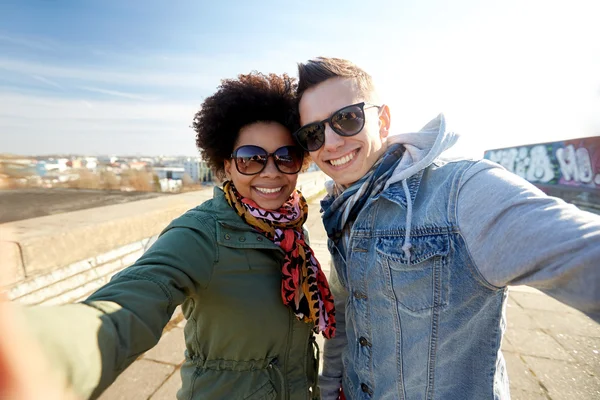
point(267, 183)
point(252, 291)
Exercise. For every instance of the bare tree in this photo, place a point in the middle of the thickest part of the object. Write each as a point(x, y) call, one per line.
point(187, 180)
point(140, 181)
point(87, 180)
point(110, 181)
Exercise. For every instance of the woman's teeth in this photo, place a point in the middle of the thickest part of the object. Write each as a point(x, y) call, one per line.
point(269, 190)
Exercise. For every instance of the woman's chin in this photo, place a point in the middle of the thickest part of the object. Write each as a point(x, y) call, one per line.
point(270, 201)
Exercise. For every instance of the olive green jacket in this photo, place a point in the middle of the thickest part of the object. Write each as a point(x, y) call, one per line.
point(241, 341)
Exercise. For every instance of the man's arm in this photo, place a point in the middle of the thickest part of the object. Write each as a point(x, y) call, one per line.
point(516, 235)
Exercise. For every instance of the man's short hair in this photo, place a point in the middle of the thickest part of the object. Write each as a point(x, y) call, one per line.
point(320, 69)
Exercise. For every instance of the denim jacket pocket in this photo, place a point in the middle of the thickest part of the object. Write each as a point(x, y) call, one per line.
point(419, 283)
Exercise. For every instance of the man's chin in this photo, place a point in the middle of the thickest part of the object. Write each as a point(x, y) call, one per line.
point(344, 178)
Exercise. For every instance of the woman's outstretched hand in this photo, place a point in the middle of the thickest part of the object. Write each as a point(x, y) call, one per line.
point(24, 371)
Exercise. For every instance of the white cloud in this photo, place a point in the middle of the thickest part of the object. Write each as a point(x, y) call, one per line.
point(32, 43)
point(54, 108)
point(94, 74)
point(42, 125)
point(47, 81)
point(116, 93)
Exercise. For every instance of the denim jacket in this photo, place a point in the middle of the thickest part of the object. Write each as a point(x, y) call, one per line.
point(411, 352)
point(428, 324)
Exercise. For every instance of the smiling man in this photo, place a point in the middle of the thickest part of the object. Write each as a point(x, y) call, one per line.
point(424, 248)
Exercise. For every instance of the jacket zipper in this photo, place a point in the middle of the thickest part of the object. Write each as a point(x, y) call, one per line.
point(273, 365)
point(312, 357)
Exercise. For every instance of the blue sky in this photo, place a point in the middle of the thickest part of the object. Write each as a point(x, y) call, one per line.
point(126, 77)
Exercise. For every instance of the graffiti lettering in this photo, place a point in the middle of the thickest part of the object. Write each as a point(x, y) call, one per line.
point(584, 165)
point(522, 162)
point(540, 169)
point(573, 163)
point(506, 158)
point(534, 165)
point(566, 160)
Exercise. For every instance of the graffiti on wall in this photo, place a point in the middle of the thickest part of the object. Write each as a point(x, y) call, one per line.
point(571, 163)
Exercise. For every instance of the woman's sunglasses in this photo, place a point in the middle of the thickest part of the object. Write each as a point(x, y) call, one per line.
point(347, 121)
point(252, 160)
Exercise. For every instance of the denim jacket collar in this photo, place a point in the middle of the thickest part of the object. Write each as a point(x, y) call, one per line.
point(395, 193)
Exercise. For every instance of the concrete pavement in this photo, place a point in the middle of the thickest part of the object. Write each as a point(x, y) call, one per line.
point(552, 351)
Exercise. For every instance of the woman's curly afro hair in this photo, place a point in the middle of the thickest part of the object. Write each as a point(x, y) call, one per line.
point(250, 98)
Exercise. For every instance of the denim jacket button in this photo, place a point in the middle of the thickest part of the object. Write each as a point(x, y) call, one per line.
point(363, 342)
point(227, 236)
point(364, 387)
point(359, 295)
point(242, 239)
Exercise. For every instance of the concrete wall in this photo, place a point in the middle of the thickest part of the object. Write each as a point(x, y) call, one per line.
point(63, 258)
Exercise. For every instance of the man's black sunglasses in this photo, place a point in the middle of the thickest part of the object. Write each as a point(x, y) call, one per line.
point(252, 160)
point(347, 121)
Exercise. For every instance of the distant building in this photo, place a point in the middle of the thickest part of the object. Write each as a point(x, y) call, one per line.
point(40, 168)
point(170, 185)
point(91, 163)
point(148, 160)
point(197, 170)
point(567, 169)
point(169, 172)
point(104, 160)
point(18, 167)
point(137, 165)
point(53, 164)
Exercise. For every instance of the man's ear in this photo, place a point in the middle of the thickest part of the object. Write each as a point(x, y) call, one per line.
point(384, 121)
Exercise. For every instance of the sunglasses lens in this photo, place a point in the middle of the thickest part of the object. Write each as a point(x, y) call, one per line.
point(348, 121)
point(250, 160)
point(312, 136)
point(289, 159)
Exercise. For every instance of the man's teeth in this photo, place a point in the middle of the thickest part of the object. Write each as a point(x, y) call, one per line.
point(342, 160)
point(269, 190)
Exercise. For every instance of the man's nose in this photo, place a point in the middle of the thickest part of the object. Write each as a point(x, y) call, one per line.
point(332, 139)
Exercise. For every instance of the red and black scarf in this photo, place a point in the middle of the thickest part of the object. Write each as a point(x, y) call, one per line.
point(304, 287)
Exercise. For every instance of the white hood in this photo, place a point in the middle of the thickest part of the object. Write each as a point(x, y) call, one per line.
point(422, 147)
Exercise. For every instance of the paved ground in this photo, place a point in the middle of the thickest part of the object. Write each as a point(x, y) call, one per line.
point(19, 204)
point(552, 351)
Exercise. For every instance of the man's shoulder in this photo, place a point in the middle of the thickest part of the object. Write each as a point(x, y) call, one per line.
point(459, 162)
point(464, 166)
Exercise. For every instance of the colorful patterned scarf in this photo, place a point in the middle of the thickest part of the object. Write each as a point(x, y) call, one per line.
point(304, 287)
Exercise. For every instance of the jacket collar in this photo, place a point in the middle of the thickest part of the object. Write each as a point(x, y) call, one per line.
point(227, 215)
point(232, 231)
point(395, 193)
